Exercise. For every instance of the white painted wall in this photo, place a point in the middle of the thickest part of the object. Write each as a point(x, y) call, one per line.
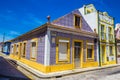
point(91, 18)
point(47, 48)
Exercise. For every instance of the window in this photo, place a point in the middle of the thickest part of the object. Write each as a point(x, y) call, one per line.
point(109, 30)
point(111, 50)
point(103, 34)
point(77, 21)
point(102, 28)
point(62, 53)
point(24, 50)
point(110, 34)
point(90, 51)
point(63, 50)
point(33, 50)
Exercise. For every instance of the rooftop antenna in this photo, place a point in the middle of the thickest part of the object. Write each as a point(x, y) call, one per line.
point(3, 41)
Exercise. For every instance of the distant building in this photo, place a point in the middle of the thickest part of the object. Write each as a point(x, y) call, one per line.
point(117, 32)
point(103, 24)
point(6, 47)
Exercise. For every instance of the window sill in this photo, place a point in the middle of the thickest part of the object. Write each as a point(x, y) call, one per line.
point(63, 62)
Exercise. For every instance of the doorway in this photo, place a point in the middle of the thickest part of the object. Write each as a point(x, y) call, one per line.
point(77, 53)
point(20, 50)
point(103, 54)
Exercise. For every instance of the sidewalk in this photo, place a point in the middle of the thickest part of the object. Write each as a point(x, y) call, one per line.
point(61, 73)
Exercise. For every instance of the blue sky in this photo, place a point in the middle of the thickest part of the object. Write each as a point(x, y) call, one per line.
point(20, 16)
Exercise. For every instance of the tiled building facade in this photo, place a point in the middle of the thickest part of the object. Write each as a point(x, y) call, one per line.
point(69, 42)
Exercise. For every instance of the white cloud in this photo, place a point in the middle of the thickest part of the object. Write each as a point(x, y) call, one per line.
point(14, 33)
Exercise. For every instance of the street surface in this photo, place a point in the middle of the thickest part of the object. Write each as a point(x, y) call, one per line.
point(103, 74)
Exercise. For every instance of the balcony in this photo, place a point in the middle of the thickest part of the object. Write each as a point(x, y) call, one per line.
point(103, 36)
point(111, 38)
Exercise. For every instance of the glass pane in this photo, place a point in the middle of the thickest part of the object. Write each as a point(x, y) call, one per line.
point(33, 44)
point(77, 21)
point(63, 50)
point(102, 28)
point(89, 53)
point(110, 50)
point(77, 49)
point(33, 55)
point(118, 49)
point(24, 49)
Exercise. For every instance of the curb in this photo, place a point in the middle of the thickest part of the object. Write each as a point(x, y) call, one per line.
point(62, 73)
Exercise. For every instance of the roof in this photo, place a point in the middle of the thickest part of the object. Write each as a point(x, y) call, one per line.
point(50, 25)
point(28, 33)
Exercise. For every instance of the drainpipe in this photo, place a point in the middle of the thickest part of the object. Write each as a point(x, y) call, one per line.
point(115, 41)
point(98, 39)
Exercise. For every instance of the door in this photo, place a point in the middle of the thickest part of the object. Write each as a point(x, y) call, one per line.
point(103, 54)
point(77, 53)
point(20, 50)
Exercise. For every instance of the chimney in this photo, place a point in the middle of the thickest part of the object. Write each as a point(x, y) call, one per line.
point(48, 18)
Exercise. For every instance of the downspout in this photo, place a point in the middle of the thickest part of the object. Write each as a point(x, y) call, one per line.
point(115, 40)
point(98, 39)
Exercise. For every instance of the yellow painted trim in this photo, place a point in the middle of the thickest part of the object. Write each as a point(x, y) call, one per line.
point(62, 67)
point(81, 54)
point(45, 69)
point(90, 64)
point(57, 51)
point(35, 65)
point(34, 40)
point(109, 63)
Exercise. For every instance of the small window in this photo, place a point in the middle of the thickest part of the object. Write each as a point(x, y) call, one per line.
point(89, 51)
point(77, 21)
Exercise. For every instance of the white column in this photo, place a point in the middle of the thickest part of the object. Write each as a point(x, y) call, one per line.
point(47, 48)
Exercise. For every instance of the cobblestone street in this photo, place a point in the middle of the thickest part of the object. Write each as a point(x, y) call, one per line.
point(103, 74)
